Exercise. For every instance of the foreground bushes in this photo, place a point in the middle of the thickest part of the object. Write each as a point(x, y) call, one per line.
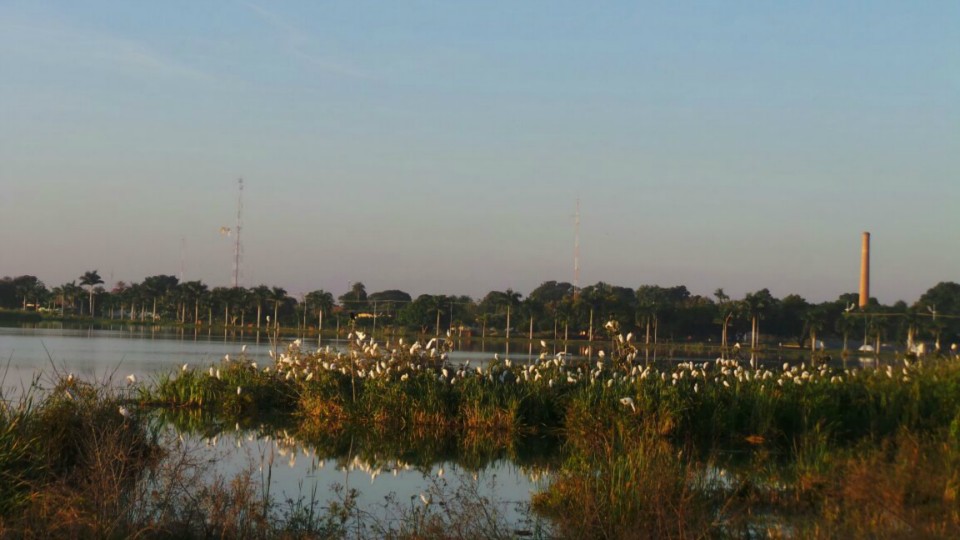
point(69, 459)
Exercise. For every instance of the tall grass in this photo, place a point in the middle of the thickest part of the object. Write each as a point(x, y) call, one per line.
point(70, 458)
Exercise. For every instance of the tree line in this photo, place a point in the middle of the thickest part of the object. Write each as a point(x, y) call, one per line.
point(554, 309)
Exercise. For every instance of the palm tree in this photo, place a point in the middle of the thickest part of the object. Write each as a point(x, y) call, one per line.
point(277, 296)
point(242, 298)
point(261, 295)
point(844, 325)
point(195, 291)
point(727, 311)
point(221, 296)
point(912, 320)
point(90, 280)
point(814, 321)
point(157, 288)
point(58, 297)
point(757, 305)
point(72, 293)
point(322, 302)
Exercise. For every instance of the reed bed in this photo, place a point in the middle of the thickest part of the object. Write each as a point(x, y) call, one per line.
point(726, 402)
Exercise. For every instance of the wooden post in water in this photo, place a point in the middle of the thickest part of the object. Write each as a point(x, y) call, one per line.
point(508, 331)
point(508, 323)
point(590, 337)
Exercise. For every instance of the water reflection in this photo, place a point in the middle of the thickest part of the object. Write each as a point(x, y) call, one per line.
point(379, 466)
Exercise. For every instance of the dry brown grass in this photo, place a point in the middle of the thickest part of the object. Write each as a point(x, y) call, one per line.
point(906, 488)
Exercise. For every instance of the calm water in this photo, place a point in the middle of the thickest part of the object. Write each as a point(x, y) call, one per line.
point(98, 353)
point(295, 469)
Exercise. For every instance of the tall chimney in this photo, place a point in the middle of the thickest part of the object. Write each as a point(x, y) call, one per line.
point(865, 271)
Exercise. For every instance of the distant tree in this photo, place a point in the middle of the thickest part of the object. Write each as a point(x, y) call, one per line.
point(652, 302)
point(28, 289)
point(791, 320)
point(758, 305)
point(726, 312)
point(157, 288)
point(419, 314)
point(278, 295)
point(260, 295)
point(551, 291)
point(355, 299)
point(90, 280)
point(944, 299)
point(193, 292)
point(814, 320)
point(321, 302)
point(390, 300)
point(608, 302)
point(222, 297)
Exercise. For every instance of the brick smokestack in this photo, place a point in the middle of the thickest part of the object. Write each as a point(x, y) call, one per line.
point(865, 271)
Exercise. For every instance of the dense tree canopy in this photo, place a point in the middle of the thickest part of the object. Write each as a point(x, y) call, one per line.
point(653, 312)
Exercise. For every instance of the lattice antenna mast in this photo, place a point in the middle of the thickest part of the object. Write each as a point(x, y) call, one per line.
point(576, 251)
point(238, 247)
point(183, 246)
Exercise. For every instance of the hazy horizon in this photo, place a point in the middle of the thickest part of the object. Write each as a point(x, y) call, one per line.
point(441, 148)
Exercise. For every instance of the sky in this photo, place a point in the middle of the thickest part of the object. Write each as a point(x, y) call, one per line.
point(441, 147)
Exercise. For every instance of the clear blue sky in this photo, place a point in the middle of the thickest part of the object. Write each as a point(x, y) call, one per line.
point(440, 146)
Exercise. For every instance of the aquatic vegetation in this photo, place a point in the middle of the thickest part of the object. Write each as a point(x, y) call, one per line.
point(646, 447)
point(723, 401)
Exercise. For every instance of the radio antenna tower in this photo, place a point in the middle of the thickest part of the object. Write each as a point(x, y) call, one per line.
point(183, 246)
point(238, 248)
point(576, 251)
